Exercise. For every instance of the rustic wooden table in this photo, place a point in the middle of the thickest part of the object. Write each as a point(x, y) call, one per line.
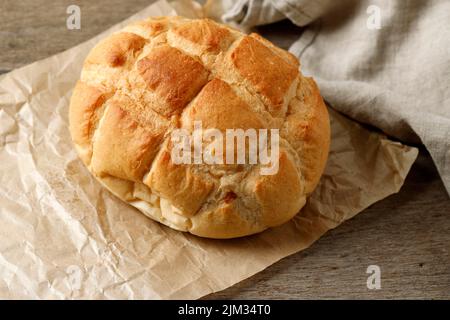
point(407, 235)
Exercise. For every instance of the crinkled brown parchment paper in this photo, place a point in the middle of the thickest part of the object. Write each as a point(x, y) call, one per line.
point(64, 236)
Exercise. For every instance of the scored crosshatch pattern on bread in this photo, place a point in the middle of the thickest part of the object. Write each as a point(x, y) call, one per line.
point(141, 83)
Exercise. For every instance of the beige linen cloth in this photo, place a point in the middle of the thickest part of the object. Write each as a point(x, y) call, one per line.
point(396, 78)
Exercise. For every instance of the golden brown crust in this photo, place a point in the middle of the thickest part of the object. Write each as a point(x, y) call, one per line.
point(210, 36)
point(122, 148)
point(218, 106)
point(270, 75)
point(173, 76)
point(148, 28)
point(308, 131)
point(280, 192)
point(85, 102)
point(286, 55)
point(165, 73)
point(115, 50)
point(224, 222)
point(276, 198)
point(179, 183)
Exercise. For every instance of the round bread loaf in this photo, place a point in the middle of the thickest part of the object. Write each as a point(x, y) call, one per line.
point(140, 84)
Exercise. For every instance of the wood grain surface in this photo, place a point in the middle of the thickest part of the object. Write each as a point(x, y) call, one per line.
point(407, 235)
